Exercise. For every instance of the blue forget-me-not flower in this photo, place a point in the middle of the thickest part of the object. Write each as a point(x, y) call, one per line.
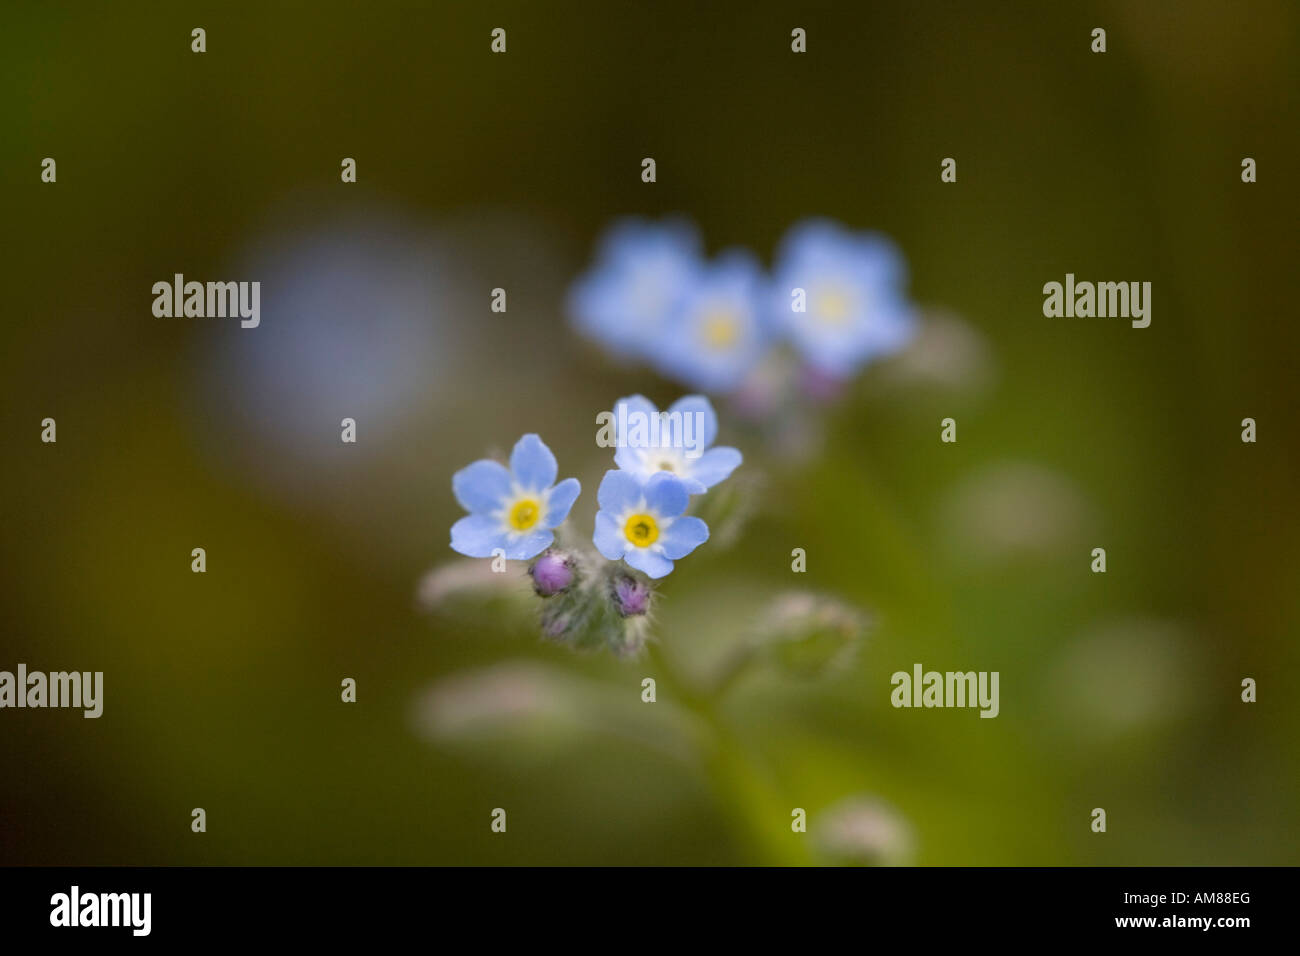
point(717, 334)
point(677, 441)
point(642, 521)
point(511, 509)
point(855, 308)
point(642, 270)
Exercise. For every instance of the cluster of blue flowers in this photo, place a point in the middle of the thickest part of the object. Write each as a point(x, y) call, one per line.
point(837, 297)
point(513, 512)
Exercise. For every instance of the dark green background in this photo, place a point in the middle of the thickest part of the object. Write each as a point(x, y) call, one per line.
point(222, 689)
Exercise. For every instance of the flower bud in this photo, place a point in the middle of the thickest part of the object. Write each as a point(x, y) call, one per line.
point(557, 621)
point(553, 571)
point(864, 831)
point(568, 616)
point(630, 595)
point(627, 636)
point(810, 635)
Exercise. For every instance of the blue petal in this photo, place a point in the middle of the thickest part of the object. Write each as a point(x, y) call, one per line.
point(609, 538)
point(533, 464)
point(666, 495)
point(643, 559)
point(678, 353)
point(698, 405)
point(631, 459)
point(480, 487)
point(715, 465)
point(561, 500)
point(477, 536)
point(642, 269)
point(879, 260)
point(588, 303)
point(632, 236)
point(683, 536)
point(626, 410)
point(529, 546)
point(636, 403)
point(892, 328)
point(629, 410)
point(808, 239)
point(618, 492)
point(693, 485)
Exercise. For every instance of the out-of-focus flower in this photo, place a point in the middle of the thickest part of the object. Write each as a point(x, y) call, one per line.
point(854, 304)
point(523, 713)
point(643, 522)
point(337, 339)
point(1011, 510)
point(514, 509)
point(1126, 676)
point(642, 272)
point(717, 334)
point(809, 635)
point(492, 700)
point(947, 352)
point(863, 830)
point(463, 578)
point(677, 441)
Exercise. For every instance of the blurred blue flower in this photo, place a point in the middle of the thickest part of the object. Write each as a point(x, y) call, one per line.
point(855, 305)
point(641, 272)
point(337, 340)
point(716, 335)
point(513, 510)
point(643, 523)
point(677, 442)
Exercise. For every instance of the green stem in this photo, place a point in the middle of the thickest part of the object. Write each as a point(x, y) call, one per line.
point(747, 797)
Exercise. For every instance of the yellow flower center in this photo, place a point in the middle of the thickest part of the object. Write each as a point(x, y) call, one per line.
point(720, 330)
point(641, 530)
point(525, 513)
point(833, 305)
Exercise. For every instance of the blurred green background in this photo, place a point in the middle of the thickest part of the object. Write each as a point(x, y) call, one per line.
point(475, 171)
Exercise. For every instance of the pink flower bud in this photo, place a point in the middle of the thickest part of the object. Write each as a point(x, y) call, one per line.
point(631, 596)
point(552, 572)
